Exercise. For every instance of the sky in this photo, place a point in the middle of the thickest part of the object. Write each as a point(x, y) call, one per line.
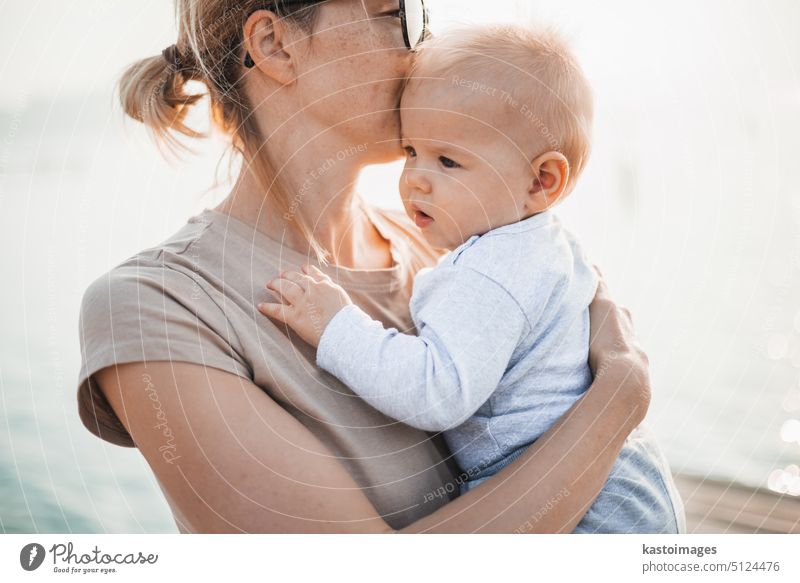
point(52, 47)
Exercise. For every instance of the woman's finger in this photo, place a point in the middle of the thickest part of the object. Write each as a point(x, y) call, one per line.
point(601, 310)
point(626, 313)
point(602, 292)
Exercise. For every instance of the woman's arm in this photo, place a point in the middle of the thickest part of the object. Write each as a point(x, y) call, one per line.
point(230, 459)
point(551, 486)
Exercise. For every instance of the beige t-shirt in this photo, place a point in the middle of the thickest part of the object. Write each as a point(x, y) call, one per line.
point(193, 299)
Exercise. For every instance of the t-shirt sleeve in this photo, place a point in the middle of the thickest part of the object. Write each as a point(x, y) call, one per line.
point(147, 313)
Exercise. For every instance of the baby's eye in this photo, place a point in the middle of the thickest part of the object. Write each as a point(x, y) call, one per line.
point(448, 163)
point(410, 152)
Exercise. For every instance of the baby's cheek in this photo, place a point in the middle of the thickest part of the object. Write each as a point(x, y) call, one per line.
point(404, 186)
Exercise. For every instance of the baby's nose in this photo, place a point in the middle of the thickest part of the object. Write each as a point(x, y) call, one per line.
point(417, 180)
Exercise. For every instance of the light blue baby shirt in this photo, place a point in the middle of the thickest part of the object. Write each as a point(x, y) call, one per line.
point(501, 353)
point(501, 350)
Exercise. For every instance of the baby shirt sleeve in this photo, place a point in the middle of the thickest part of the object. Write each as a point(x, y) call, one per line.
point(468, 328)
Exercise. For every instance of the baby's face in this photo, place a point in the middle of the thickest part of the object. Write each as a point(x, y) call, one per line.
point(464, 175)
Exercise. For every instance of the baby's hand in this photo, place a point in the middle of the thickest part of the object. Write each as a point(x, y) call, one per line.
point(310, 300)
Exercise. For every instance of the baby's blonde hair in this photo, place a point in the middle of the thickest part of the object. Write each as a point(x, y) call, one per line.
point(530, 70)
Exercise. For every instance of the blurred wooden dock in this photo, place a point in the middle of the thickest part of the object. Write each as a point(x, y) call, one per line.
point(720, 507)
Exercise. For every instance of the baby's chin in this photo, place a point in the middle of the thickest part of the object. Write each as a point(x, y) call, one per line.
point(437, 242)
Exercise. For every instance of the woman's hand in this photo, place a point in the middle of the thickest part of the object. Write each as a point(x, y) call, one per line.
point(614, 350)
point(310, 300)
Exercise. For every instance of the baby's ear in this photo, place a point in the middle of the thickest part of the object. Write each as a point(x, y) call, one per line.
point(550, 176)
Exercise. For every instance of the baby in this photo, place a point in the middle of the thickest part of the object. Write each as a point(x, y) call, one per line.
point(496, 129)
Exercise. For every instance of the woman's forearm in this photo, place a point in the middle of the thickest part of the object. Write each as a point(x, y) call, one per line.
point(551, 486)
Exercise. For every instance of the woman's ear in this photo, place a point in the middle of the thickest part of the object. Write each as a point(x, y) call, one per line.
point(550, 173)
point(265, 41)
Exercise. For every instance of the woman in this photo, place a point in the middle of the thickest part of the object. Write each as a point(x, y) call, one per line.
point(242, 431)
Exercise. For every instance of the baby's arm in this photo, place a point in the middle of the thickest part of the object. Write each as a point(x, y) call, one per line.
point(468, 328)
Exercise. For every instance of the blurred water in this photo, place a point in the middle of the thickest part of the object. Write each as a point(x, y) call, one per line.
point(713, 286)
point(54, 475)
point(690, 205)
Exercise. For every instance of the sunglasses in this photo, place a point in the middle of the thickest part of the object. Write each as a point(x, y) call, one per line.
point(414, 20)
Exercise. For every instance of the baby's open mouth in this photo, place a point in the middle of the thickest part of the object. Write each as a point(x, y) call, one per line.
point(421, 219)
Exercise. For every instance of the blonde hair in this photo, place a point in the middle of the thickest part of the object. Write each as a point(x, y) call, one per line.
point(209, 49)
point(531, 70)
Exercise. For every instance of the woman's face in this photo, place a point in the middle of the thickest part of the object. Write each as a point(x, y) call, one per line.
point(352, 72)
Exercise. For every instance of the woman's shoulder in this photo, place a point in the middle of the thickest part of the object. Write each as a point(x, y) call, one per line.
point(167, 267)
point(164, 300)
point(157, 305)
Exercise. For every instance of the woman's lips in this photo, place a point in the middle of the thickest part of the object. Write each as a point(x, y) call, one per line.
point(421, 219)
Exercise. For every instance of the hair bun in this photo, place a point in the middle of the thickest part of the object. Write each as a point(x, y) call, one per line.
point(173, 57)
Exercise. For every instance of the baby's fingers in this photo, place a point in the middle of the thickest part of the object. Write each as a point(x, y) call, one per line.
point(288, 291)
point(279, 312)
point(315, 273)
point(302, 280)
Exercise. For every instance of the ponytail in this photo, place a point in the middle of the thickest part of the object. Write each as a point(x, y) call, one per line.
point(153, 92)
